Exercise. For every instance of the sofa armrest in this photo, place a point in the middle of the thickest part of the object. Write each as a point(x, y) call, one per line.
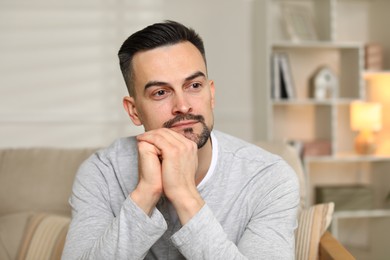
point(331, 249)
point(44, 237)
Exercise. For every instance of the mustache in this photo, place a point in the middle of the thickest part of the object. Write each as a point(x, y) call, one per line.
point(178, 118)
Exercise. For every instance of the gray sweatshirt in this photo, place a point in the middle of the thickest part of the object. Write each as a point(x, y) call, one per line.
point(251, 199)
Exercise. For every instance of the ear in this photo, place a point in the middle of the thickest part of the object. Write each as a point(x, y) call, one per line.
point(212, 92)
point(129, 105)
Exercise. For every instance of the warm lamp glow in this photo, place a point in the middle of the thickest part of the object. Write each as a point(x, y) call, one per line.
point(366, 117)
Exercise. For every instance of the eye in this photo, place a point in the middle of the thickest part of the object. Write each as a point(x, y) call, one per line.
point(194, 86)
point(160, 94)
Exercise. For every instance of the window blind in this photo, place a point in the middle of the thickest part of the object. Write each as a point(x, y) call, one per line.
point(59, 63)
point(59, 58)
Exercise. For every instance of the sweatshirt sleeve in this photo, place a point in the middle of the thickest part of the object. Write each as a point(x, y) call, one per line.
point(204, 238)
point(269, 234)
point(96, 232)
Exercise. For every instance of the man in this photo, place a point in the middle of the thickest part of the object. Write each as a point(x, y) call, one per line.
point(181, 190)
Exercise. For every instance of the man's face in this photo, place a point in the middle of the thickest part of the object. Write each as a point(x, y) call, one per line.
point(172, 91)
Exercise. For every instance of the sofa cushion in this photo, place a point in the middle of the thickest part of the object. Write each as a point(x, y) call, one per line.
point(312, 224)
point(38, 179)
point(44, 237)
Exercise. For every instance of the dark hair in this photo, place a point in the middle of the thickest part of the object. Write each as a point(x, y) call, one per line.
point(153, 36)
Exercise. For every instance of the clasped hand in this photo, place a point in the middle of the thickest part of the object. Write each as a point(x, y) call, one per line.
point(167, 163)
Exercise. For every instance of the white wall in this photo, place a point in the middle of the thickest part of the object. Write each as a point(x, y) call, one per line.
point(60, 83)
point(226, 28)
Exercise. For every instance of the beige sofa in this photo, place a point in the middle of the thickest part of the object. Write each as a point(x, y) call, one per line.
point(35, 184)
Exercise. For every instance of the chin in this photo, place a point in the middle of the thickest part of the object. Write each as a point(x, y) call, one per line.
point(189, 133)
point(200, 139)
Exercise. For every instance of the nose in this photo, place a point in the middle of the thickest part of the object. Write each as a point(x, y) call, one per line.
point(181, 105)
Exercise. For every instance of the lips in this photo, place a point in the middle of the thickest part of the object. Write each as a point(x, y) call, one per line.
point(184, 124)
point(183, 120)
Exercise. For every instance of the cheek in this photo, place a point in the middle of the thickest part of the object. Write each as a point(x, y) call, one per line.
point(155, 116)
point(208, 103)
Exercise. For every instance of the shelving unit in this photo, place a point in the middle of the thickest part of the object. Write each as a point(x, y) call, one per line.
point(323, 119)
point(376, 213)
point(343, 29)
point(349, 169)
point(364, 232)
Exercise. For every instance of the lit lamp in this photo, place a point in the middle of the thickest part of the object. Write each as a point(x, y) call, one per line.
point(366, 117)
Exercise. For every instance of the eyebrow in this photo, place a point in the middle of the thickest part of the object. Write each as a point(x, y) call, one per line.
point(162, 83)
point(154, 83)
point(195, 75)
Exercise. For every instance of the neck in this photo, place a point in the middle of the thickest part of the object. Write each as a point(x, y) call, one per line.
point(204, 161)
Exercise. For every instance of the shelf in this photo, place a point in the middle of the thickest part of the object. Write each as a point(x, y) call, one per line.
point(301, 102)
point(313, 102)
point(348, 158)
point(369, 213)
point(317, 44)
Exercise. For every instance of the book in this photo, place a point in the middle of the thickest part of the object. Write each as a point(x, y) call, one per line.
point(281, 78)
point(373, 55)
point(286, 79)
point(275, 76)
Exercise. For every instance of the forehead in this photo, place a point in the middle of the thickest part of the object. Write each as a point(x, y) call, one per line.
point(167, 63)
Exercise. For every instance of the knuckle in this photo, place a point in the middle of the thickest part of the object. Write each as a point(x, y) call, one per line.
point(175, 150)
point(141, 145)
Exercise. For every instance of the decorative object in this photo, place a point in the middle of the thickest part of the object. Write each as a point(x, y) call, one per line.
point(298, 22)
point(317, 148)
point(365, 117)
point(324, 84)
point(373, 56)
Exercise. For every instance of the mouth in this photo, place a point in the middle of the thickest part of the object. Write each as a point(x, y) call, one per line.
point(184, 124)
point(183, 121)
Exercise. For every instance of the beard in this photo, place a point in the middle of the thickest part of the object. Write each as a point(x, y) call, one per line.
point(199, 139)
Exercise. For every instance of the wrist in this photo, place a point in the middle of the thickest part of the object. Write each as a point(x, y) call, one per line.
point(187, 206)
point(145, 198)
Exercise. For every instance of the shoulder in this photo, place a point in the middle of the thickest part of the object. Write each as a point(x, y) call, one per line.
point(122, 147)
point(111, 157)
point(252, 161)
point(240, 149)
point(251, 170)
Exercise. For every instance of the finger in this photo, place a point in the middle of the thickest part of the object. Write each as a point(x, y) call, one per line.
point(146, 147)
point(167, 140)
point(163, 138)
